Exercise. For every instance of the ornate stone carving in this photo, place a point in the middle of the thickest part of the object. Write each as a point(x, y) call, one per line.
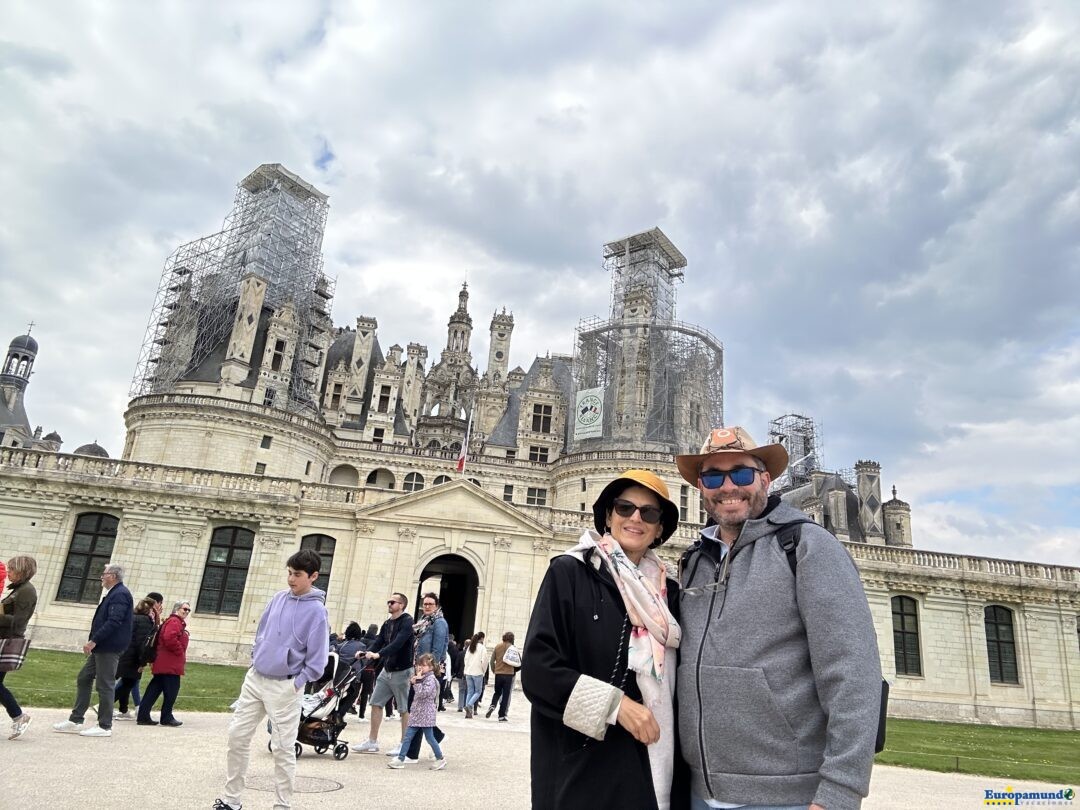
point(190, 537)
point(132, 531)
point(406, 533)
point(365, 528)
point(543, 544)
point(502, 542)
point(974, 612)
point(269, 541)
point(52, 520)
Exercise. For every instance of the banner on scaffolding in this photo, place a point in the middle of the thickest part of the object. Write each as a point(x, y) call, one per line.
point(589, 414)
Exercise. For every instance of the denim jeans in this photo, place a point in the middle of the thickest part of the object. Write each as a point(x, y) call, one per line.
point(10, 704)
point(475, 684)
point(429, 735)
point(167, 685)
point(697, 803)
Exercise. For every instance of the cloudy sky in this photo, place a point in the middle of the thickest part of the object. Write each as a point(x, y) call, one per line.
point(879, 206)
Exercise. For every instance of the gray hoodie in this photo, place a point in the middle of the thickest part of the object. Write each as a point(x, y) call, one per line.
point(779, 679)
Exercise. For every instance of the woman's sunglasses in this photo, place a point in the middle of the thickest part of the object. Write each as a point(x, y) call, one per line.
point(624, 508)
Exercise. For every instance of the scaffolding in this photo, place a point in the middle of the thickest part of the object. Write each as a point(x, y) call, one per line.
point(662, 379)
point(275, 230)
point(800, 435)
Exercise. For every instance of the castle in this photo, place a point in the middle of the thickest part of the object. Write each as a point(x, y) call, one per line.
point(256, 427)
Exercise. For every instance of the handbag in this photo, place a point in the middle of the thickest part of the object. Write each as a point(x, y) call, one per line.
point(13, 653)
point(512, 656)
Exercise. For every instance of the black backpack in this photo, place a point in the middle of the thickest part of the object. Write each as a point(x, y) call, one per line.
point(148, 649)
point(788, 538)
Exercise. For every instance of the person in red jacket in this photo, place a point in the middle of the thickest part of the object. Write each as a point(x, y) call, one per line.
point(168, 667)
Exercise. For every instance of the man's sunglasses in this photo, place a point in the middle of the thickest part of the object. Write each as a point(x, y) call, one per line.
point(740, 477)
point(391, 601)
point(624, 508)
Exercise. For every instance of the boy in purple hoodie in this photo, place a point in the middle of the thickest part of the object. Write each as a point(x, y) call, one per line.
point(291, 647)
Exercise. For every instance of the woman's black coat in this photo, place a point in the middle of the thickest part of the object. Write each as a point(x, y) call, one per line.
point(576, 627)
point(128, 664)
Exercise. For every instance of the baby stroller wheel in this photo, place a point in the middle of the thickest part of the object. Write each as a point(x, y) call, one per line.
point(299, 750)
point(321, 749)
point(341, 750)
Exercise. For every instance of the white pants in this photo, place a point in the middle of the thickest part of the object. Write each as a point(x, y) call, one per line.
point(264, 697)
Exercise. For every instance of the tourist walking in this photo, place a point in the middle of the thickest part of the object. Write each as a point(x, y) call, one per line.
point(504, 677)
point(15, 612)
point(110, 634)
point(422, 713)
point(168, 667)
point(129, 668)
point(474, 666)
point(394, 648)
point(599, 660)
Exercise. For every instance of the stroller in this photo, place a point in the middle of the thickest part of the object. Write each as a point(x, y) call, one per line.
point(320, 721)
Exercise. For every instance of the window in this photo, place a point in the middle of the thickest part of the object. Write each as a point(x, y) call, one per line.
point(324, 546)
point(268, 397)
point(377, 435)
point(583, 488)
point(684, 501)
point(384, 399)
point(441, 479)
point(541, 420)
point(91, 548)
point(279, 355)
point(474, 482)
point(538, 454)
point(265, 443)
point(226, 571)
point(335, 397)
point(1000, 645)
point(414, 482)
point(701, 511)
point(536, 496)
point(260, 469)
point(307, 468)
point(583, 506)
point(905, 632)
point(508, 493)
point(511, 454)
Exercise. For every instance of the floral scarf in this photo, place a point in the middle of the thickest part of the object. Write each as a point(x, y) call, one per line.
point(643, 588)
point(425, 623)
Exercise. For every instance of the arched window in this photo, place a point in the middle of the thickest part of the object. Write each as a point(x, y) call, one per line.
point(324, 545)
point(91, 548)
point(1000, 644)
point(226, 571)
point(414, 482)
point(475, 482)
point(434, 445)
point(381, 478)
point(441, 479)
point(905, 631)
point(345, 475)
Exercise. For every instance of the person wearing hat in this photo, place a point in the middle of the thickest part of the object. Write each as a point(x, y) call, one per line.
point(779, 680)
point(599, 659)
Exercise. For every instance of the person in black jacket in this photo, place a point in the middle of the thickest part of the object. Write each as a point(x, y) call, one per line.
point(129, 668)
point(599, 660)
point(394, 647)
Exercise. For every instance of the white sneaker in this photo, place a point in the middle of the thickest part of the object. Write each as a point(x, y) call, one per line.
point(96, 731)
point(366, 747)
point(409, 761)
point(395, 763)
point(67, 727)
point(19, 726)
point(123, 716)
point(393, 752)
point(439, 764)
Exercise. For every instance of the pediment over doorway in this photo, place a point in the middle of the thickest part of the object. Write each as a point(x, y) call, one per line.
point(458, 504)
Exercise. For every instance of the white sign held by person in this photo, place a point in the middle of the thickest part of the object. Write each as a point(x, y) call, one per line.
point(589, 414)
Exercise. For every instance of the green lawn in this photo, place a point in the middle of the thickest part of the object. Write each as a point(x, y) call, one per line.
point(48, 679)
point(1008, 753)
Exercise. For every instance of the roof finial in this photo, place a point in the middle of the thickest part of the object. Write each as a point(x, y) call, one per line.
point(30, 328)
point(894, 491)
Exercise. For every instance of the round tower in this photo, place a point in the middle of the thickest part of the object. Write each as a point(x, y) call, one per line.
point(502, 327)
point(22, 351)
point(897, 522)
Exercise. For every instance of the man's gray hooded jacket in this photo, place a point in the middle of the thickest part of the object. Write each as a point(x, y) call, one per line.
point(779, 679)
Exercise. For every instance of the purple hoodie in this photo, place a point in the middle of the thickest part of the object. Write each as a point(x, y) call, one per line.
point(293, 638)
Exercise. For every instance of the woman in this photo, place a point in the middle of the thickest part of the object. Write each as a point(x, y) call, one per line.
point(168, 667)
point(476, 663)
point(599, 660)
point(15, 612)
point(431, 634)
point(129, 668)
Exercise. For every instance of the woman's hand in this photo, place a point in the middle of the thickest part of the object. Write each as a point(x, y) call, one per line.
point(639, 721)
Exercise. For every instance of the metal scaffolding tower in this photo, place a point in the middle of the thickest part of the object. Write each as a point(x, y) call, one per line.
point(800, 436)
point(275, 230)
point(663, 379)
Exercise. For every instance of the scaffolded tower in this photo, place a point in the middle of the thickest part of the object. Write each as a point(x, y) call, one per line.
point(662, 379)
point(800, 435)
point(275, 230)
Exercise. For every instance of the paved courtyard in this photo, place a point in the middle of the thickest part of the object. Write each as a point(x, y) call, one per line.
point(488, 767)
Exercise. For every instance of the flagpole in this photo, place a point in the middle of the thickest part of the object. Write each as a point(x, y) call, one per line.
point(464, 457)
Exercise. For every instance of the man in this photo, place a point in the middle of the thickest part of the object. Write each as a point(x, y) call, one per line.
point(779, 679)
point(291, 648)
point(504, 678)
point(394, 647)
point(110, 634)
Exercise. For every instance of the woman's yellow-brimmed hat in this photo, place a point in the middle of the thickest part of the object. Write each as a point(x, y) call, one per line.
point(641, 478)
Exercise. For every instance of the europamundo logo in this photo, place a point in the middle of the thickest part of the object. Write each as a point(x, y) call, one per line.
point(1029, 798)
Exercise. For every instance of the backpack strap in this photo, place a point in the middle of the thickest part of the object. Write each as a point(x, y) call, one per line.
point(788, 537)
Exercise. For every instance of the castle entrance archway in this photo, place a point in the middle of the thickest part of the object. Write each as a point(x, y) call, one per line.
point(457, 583)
